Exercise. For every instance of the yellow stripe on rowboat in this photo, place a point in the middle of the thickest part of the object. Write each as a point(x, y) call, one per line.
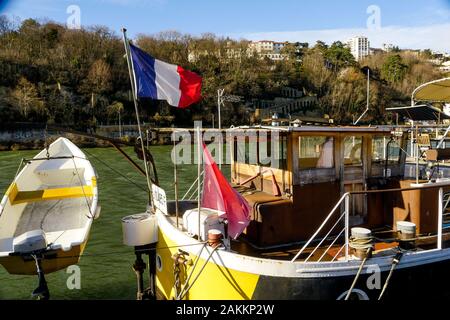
point(49, 194)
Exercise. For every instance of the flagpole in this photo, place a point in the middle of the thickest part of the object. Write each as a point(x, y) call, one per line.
point(175, 177)
point(199, 172)
point(219, 102)
point(133, 89)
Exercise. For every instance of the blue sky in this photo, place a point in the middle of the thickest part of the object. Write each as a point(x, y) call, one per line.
point(408, 23)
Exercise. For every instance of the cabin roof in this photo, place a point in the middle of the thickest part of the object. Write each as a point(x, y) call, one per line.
point(324, 129)
point(423, 112)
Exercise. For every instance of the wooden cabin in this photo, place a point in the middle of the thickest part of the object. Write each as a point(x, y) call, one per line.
point(311, 168)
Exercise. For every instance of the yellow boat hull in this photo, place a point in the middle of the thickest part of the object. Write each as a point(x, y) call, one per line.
point(215, 283)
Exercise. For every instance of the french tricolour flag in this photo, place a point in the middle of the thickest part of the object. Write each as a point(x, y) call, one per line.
point(159, 80)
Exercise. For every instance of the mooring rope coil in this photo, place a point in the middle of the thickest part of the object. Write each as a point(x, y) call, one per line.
point(361, 243)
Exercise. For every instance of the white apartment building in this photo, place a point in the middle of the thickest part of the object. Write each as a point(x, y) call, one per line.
point(268, 49)
point(278, 46)
point(359, 47)
point(273, 56)
point(262, 46)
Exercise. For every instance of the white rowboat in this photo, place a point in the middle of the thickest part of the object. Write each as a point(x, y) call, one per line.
point(48, 209)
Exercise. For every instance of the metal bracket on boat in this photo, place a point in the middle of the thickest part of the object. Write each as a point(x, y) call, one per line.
point(47, 254)
point(41, 292)
point(139, 267)
point(180, 258)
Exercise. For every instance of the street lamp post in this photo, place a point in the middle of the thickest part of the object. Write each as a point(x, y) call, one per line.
point(221, 98)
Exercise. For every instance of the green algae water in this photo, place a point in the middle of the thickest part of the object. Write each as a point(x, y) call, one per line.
point(106, 266)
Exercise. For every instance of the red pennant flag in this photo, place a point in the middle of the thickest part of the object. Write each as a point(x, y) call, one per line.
point(219, 195)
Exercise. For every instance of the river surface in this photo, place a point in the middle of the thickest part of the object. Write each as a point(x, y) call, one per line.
point(106, 266)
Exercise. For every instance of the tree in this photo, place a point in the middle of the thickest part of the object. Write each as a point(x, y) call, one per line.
point(339, 55)
point(25, 98)
point(29, 24)
point(64, 70)
point(5, 25)
point(394, 70)
point(98, 81)
point(115, 109)
point(291, 51)
point(322, 46)
point(427, 54)
point(99, 77)
point(317, 76)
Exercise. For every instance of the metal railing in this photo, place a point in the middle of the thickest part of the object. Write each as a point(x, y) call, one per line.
point(191, 192)
point(446, 202)
point(344, 216)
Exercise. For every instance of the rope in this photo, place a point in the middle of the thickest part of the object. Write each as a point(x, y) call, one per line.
point(192, 271)
point(137, 250)
point(361, 243)
point(46, 142)
point(198, 274)
point(18, 169)
point(395, 262)
point(116, 171)
point(15, 177)
point(82, 188)
point(54, 241)
point(357, 275)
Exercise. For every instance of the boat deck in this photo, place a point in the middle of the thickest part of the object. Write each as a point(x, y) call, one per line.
point(53, 215)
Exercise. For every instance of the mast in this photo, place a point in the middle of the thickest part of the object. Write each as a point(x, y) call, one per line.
point(133, 89)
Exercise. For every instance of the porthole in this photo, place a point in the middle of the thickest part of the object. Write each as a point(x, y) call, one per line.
point(159, 264)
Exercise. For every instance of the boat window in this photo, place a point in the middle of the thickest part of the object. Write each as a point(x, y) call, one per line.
point(316, 152)
point(381, 149)
point(260, 150)
point(251, 149)
point(272, 154)
point(245, 150)
point(352, 151)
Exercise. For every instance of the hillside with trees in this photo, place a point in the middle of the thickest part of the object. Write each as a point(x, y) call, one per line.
point(79, 78)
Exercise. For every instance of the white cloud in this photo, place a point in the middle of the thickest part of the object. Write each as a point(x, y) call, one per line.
point(419, 37)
